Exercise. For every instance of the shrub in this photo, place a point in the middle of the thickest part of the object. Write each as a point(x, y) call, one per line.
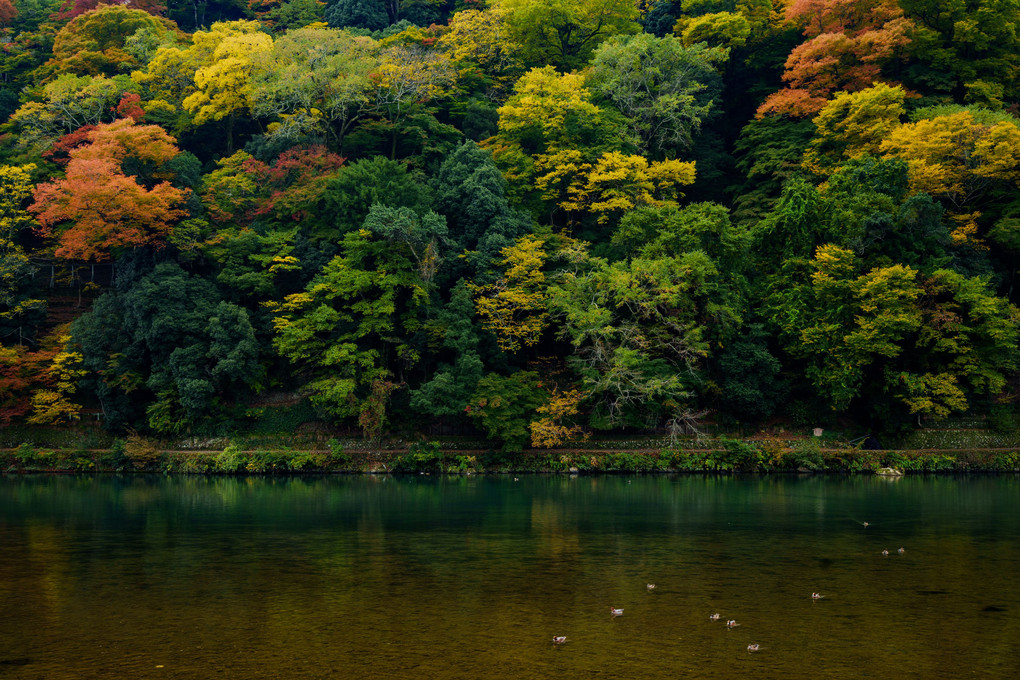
point(115, 458)
point(229, 460)
point(462, 464)
point(738, 455)
point(420, 457)
point(142, 453)
point(338, 458)
point(27, 455)
point(807, 455)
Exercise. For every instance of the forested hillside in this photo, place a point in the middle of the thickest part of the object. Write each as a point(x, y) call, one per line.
point(534, 219)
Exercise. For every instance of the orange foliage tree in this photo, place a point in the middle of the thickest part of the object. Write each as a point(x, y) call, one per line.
point(8, 12)
point(97, 207)
point(848, 41)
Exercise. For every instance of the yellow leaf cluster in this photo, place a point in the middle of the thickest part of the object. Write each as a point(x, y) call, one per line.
point(549, 431)
point(617, 183)
point(514, 308)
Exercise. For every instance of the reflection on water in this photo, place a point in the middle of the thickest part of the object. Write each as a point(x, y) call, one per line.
point(378, 577)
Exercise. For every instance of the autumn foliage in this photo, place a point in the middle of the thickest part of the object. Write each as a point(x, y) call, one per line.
point(848, 42)
point(97, 208)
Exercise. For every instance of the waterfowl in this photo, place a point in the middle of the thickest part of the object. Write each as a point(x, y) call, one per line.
point(559, 639)
point(650, 587)
point(732, 623)
point(885, 553)
point(900, 550)
point(752, 648)
point(816, 596)
point(714, 617)
point(613, 611)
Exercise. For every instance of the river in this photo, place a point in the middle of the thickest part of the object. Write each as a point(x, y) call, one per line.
point(146, 576)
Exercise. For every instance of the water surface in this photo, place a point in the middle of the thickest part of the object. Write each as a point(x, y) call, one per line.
point(384, 577)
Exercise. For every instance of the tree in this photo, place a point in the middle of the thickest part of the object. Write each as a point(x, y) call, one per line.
point(513, 308)
point(94, 42)
point(546, 130)
point(472, 193)
point(724, 29)
point(355, 188)
point(70, 103)
point(449, 390)
point(616, 184)
point(369, 14)
point(16, 270)
point(408, 77)
point(848, 42)
point(8, 12)
point(967, 49)
point(841, 322)
point(481, 41)
point(960, 160)
point(317, 81)
point(15, 192)
point(966, 346)
point(166, 348)
point(852, 125)
point(769, 153)
point(664, 88)
point(97, 208)
point(637, 329)
point(563, 33)
point(236, 190)
point(54, 403)
point(505, 406)
point(549, 429)
point(349, 328)
point(223, 88)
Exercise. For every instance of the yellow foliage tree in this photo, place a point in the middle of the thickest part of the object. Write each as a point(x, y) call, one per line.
point(550, 430)
point(480, 41)
point(959, 159)
point(617, 183)
point(852, 125)
point(54, 404)
point(514, 308)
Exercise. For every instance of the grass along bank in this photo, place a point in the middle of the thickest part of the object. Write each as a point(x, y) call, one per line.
point(720, 455)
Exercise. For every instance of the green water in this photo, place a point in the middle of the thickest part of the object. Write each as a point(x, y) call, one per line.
point(378, 577)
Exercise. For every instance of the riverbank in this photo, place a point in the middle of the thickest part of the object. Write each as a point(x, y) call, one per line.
point(434, 458)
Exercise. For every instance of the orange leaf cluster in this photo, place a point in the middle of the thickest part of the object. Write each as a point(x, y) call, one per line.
point(96, 208)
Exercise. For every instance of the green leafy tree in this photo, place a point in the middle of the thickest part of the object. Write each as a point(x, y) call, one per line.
point(504, 406)
point(841, 322)
point(175, 354)
point(665, 89)
point(355, 188)
point(350, 329)
point(449, 390)
point(563, 33)
point(316, 81)
point(472, 193)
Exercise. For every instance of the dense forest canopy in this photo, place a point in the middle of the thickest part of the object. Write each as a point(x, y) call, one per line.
point(533, 219)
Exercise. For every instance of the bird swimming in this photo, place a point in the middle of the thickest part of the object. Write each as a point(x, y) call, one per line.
point(559, 639)
point(613, 611)
point(901, 551)
point(714, 617)
point(885, 553)
point(732, 623)
point(752, 648)
point(816, 596)
point(650, 587)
